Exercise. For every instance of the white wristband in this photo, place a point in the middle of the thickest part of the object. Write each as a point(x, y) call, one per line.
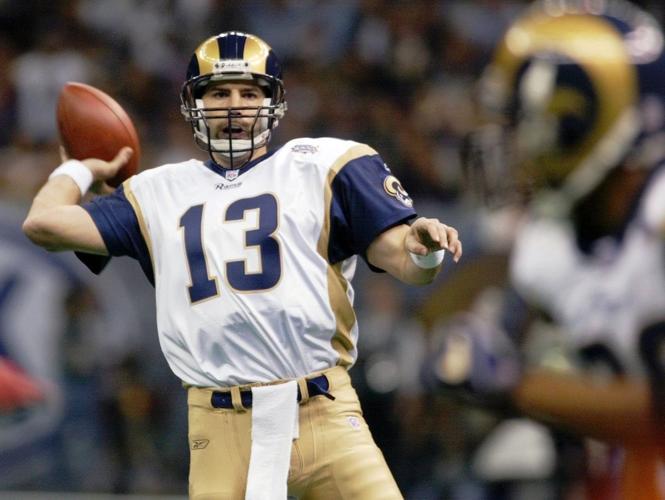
point(428, 261)
point(78, 172)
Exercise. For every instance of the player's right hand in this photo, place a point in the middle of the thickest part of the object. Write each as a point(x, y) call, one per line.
point(103, 170)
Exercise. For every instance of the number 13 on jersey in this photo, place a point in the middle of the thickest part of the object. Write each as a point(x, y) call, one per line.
point(261, 237)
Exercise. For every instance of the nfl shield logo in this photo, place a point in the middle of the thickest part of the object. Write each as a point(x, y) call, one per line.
point(231, 175)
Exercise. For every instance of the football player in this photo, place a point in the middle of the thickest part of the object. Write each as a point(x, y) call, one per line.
point(251, 254)
point(575, 94)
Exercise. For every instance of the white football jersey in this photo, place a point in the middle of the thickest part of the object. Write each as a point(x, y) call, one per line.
point(252, 268)
point(606, 297)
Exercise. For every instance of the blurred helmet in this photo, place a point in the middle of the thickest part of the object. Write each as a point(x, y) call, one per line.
point(233, 56)
point(575, 89)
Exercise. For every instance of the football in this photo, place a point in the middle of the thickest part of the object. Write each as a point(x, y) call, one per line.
point(93, 125)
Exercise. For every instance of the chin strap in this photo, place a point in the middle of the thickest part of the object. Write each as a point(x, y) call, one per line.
point(236, 148)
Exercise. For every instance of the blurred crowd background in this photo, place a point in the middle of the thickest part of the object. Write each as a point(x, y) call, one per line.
point(399, 75)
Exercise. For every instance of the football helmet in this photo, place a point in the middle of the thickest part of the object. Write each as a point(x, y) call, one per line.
point(233, 56)
point(575, 89)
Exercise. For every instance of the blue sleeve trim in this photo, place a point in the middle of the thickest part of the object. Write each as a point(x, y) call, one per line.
point(366, 201)
point(116, 221)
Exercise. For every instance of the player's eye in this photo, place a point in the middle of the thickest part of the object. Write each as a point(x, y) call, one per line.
point(217, 94)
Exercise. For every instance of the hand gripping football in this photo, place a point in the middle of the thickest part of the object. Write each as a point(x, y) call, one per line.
point(93, 125)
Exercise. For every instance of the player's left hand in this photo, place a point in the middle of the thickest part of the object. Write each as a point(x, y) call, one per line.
point(429, 235)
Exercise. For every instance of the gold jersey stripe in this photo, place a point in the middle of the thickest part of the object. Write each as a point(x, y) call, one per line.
point(345, 317)
point(131, 197)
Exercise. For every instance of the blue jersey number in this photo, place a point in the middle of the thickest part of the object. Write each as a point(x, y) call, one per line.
point(205, 286)
point(261, 237)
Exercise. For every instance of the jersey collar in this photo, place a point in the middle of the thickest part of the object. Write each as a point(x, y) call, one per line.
point(224, 172)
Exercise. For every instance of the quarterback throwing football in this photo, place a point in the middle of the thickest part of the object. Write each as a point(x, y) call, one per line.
point(251, 254)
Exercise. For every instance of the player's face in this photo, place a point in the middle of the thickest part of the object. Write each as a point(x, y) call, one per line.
point(234, 113)
point(242, 99)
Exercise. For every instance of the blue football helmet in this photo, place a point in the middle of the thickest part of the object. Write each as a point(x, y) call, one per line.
point(574, 90)
point(233, 56)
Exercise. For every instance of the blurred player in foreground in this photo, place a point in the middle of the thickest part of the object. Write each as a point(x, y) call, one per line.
point(251, 254)
point(578, 100)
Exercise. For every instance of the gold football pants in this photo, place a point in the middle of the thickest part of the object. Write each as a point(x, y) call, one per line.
point(334, 456)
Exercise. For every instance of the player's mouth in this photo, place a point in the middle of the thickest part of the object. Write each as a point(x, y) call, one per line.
point(234, 132)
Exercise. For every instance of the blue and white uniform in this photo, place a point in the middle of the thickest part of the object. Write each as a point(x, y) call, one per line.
point(215, 241)
point(605, 297)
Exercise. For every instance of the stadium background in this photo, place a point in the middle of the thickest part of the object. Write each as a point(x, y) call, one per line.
point(398, 75)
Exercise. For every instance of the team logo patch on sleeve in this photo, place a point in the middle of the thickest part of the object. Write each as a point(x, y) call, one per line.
point(394, 188)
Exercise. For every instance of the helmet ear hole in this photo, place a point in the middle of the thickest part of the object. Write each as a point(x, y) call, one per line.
point(572, 130)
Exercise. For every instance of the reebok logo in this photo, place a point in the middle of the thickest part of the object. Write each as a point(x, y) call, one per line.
point(199, 444)
point(222, 187)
